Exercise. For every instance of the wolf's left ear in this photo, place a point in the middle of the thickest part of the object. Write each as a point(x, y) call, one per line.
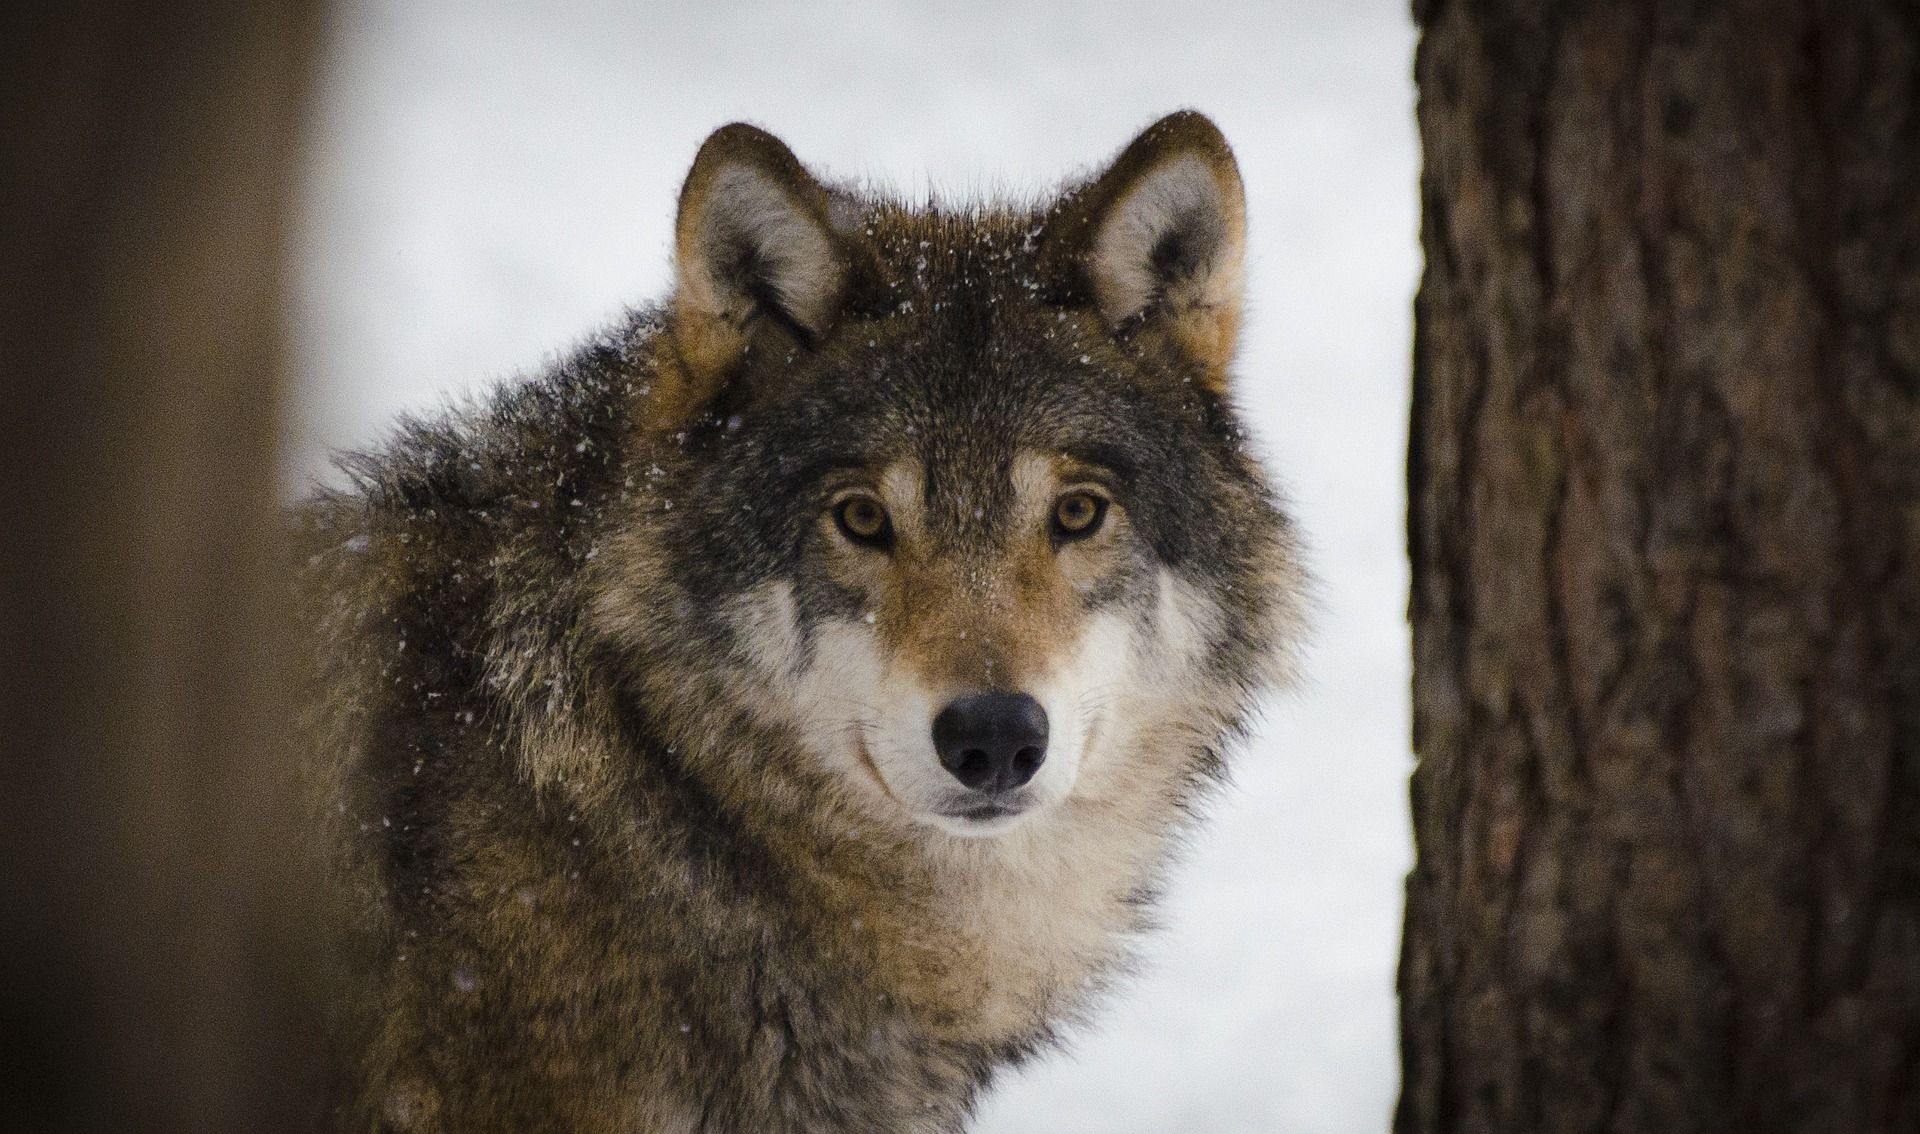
point(1157, 241)
point(755, 251)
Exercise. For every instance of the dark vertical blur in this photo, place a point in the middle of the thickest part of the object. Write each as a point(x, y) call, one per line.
point(150, 897)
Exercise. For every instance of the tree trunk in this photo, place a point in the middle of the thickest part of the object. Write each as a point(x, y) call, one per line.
point(151, 957)
point(1664, 520)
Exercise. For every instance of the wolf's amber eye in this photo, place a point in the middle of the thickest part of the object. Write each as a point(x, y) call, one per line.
point(1077, 515)
point(863, 519)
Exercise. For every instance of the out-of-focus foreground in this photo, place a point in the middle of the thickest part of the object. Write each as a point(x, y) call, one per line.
point(151, 937)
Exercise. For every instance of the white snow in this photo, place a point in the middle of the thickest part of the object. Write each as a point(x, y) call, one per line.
point(493, 181)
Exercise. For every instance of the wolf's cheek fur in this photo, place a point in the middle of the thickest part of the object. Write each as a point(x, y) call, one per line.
point(832, 685)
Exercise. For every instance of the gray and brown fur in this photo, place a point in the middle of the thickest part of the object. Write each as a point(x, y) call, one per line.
point(607, 869)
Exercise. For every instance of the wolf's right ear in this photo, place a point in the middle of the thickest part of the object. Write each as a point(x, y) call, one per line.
point(754, 244)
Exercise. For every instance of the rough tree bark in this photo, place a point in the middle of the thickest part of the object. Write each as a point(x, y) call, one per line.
point(150, 915)
point(1664, 493)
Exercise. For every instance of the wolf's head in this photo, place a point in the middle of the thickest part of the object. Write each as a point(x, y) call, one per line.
point(957, 497)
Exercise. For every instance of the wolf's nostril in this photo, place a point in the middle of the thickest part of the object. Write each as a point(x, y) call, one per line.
point(992, 741)
point(1027, 761)
point(973, 766)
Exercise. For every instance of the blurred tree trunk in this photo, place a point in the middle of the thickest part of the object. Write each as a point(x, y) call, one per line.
point(149, 901)
point(1664, 491)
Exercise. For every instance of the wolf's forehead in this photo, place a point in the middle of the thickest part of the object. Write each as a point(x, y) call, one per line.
point(940, 248)
point(953, 483)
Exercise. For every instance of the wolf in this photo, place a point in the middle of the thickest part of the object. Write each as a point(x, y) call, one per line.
point(776, 715)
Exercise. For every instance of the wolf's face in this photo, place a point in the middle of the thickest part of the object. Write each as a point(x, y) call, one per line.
point(991, 614)
point(975, 592)
point(957, 498)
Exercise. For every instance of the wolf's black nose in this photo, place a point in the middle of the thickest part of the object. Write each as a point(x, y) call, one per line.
point(991, 741)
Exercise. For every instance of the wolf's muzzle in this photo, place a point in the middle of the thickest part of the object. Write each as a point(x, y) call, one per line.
point(991, 742)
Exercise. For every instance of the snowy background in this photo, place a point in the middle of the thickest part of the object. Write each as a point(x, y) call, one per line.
point(492, 181)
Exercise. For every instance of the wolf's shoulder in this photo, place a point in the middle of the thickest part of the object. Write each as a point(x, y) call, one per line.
point(467, 528)
point(518, 462)
point(517, 444)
